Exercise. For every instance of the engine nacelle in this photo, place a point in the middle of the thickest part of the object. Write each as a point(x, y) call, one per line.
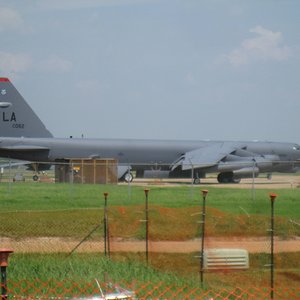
point(246, 172)
point(235, 166)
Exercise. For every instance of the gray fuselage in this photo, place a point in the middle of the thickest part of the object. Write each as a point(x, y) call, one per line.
point(126, 151)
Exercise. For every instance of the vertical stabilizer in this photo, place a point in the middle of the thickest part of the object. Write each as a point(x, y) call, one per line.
point(17, 119)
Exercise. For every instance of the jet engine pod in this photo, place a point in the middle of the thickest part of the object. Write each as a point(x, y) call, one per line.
point(246, 172)
point(156, 174)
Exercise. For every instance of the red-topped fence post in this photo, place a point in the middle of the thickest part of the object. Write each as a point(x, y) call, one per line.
point(204, 194)
point(106, 230)
point(272, 198)
point(147, 224)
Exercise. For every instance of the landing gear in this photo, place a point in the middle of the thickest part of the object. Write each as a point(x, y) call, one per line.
point(128, 177)
point(236, 180)
point(196, 181)
point(35, 177)
point(228, 178)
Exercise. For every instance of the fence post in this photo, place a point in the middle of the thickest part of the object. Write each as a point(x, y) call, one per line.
point(204, 194)
point(272, 198)
point(4, 253)
point(105, 221)
point(147, 224)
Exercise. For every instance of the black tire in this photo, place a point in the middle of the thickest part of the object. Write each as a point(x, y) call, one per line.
point(35, 178)
point(228, 178)
point(197, 181)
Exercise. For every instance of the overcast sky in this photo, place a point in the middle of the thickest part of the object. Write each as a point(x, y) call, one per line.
point(165, 69)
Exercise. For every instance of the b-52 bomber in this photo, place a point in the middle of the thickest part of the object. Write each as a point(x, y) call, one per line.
point(23, 136)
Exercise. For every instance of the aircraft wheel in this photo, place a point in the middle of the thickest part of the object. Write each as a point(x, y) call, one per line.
point(236, 180)
point(128, 177)
point(35, 178)
point(197, 181)
point(228, 178)
point(225, 177)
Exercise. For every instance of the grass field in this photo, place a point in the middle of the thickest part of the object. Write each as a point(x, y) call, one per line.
point(63, 210)
point(167, 268)
point(39, 196)
point(73, 210)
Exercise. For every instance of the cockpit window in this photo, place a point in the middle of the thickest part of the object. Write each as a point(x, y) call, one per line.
point(296, 147)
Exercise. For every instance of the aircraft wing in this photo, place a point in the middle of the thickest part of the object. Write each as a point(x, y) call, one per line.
point(207, 156)
point(25, 148)
point(14, 164)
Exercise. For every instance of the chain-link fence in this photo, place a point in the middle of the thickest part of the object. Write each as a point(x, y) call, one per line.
point(53, 289)
point(163, 231)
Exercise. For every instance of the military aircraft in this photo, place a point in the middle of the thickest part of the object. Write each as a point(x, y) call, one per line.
point(23, 136)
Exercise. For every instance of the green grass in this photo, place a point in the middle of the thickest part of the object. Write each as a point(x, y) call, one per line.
point(76, 274)
point(79, 266)
point(39, 196)
point(168, 268)
point(74, 210)
point(41, 209)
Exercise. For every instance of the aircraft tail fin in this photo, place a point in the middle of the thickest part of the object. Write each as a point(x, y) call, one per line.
point(17, 119)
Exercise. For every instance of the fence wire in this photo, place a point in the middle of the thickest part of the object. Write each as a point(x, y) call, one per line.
point(52, 289)
point(41, 218)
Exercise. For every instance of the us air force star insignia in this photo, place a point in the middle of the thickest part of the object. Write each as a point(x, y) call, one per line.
point(3, 92)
